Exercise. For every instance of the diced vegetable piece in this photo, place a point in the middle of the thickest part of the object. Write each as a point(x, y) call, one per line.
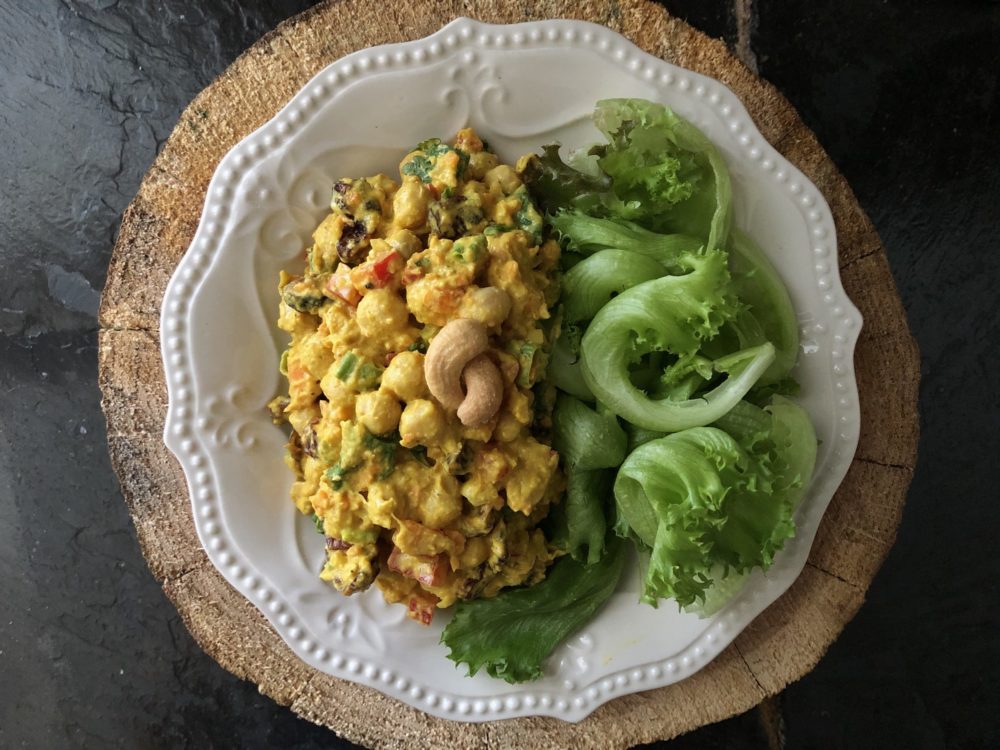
point(381, 272)
point(346, 366)
point(420, 607)
point(426, 569)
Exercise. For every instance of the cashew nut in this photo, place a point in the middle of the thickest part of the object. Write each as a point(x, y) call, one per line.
point(483, 392)
point(449, 354)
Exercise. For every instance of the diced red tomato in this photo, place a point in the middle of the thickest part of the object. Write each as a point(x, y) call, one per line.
point(381, 271)
point(421, 608)
point(376, 274)
point(425, 569)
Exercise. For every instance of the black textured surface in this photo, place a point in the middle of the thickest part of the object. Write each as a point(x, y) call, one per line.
point(904, 95)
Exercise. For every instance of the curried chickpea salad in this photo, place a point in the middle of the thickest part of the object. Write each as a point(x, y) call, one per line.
point(471, 399)
point(420, 332)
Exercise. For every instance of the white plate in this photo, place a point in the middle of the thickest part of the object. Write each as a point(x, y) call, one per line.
point(521, 87)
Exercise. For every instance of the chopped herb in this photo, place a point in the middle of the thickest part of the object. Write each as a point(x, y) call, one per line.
point(420, 167)
point(463, 162)
point(422, 164)
point(384, 451)
point(336, 475)
point(494, 229)
point(357, 372)
point(448, 192)
point(318, 523)
point(419, 452)
point(420, 345)
point(433, 147)
point(527, 216)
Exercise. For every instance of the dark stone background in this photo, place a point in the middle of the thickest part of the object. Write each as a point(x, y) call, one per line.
point(903, 94)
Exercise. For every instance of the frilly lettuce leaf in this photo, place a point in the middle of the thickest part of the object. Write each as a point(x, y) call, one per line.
point(594, 281)
point(712, 502)
point(586, 438)
point(673, 314)
point(656, 170)
point(565, 369)
point(768, 314)
point(667, 174)
point(512, 634)
point(557, 186)
point(587, 287)
point(590, 442)
point(578, 525)
point(588, 234)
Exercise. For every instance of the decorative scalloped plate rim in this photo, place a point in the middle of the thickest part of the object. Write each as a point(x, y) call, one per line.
point(185, 434)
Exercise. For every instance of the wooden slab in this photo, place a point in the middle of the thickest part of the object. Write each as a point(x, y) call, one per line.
point(779, 647)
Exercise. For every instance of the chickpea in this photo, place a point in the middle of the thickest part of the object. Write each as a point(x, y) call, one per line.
point(476, 552)
point(404, 377)
point(441, 504)
point(489, 305)
point(378, 411)
point(381, 312)
point(519, 406)
point(404, 242)
point(420, 423)
point(504, 178)
point(480, 164)
point(410, 204)
point(507, 429)
point(335, 390)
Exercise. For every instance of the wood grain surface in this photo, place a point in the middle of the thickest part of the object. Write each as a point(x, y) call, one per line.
point(780, 646)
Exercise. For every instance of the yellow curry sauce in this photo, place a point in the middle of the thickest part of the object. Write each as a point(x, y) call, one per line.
point(408, 497)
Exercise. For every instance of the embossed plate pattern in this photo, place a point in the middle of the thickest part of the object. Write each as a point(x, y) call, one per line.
point(521, 86)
